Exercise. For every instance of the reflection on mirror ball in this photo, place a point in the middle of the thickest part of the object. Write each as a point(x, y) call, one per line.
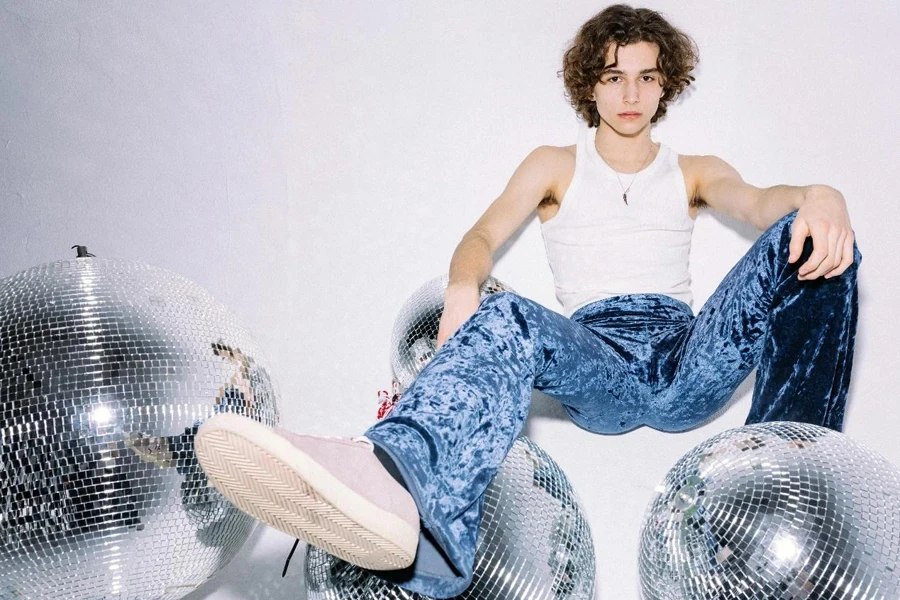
point(107, 368)
point(534, 542)
point(414, 338)
point(774, 511)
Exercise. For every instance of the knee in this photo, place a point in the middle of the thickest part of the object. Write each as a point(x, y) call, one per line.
point(501, 302)
point(504, 298)
point(508, 310)
point(777, 240)
point(779, 234)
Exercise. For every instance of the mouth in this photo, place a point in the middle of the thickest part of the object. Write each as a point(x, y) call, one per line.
point(630, 115)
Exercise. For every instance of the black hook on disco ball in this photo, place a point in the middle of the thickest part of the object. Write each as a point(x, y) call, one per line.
point(81, 251)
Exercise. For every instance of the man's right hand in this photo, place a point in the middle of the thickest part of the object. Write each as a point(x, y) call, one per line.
point(460, 303)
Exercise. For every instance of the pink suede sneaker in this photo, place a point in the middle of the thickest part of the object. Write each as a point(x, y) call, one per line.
point(332, 493)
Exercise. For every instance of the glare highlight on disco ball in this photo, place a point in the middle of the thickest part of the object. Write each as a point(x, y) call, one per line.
point(414, 338)
point(774, 511)
point(533, 544)
point(107, 368)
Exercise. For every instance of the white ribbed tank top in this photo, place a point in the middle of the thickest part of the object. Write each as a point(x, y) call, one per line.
point(599, 247)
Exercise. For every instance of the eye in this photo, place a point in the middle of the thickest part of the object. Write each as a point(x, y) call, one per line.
point(610, 79)
point(649, 78)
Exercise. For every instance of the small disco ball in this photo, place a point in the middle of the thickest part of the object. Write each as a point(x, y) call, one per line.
point(774, 511)
point(534, 542)
point(414, 339)
point(107, 368)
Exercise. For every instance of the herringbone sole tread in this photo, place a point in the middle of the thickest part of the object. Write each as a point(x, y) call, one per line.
point(267, 489)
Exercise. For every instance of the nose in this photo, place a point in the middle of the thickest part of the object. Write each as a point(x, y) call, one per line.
point(631, 94)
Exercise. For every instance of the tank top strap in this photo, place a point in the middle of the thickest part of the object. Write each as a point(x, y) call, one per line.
point(671, 157)
point(585, 143)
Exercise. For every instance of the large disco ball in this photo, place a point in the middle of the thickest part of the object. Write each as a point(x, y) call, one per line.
point(414, 338)
point(774, 511)
point(106, 370)
point(533, 544)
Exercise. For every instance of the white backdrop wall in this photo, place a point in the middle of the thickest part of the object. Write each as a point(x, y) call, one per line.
point(312, 163)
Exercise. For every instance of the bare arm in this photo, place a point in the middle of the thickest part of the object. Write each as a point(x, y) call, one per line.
point(473, 259)
point(822, 213)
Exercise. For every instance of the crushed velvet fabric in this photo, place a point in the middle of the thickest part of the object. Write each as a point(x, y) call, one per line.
point(615, 365)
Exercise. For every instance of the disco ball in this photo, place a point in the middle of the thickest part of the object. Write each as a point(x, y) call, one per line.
point(534, 542)
point(774, 511)
point(414, 339)
point(107, 368)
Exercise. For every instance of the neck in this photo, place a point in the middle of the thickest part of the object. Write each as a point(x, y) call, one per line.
point(624, 150)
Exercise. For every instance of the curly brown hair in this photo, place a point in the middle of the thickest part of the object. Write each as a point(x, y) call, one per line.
point(621, 24)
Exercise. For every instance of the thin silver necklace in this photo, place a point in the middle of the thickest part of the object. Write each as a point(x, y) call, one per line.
point(624, 189)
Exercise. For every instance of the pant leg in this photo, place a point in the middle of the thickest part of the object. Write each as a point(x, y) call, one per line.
point(799, 333)
point(459, 418)
point(804, 371)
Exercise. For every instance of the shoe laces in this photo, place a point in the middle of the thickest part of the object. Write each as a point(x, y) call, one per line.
point(288, 561)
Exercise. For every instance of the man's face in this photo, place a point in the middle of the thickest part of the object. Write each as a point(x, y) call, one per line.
point(628, 94)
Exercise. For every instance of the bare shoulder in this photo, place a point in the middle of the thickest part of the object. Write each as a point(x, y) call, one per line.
point(553, 157)
point(557, 167)
point(533, 185)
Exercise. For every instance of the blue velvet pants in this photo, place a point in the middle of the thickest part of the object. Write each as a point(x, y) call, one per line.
point(615, 365)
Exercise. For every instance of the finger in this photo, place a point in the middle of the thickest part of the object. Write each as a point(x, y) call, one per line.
point(847, 256)
point(837, 256)
point(828, 262)
point(799, 233)
point(850, 249)
point(820, 242)
point(820, 251)
point(834, 254)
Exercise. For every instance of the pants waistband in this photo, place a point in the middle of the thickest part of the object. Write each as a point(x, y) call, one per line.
point(616, 306)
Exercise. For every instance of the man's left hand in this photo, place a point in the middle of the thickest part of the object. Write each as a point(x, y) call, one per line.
point(824, 217)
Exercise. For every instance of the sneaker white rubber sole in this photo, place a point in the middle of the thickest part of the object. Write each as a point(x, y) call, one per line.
point(275, 482)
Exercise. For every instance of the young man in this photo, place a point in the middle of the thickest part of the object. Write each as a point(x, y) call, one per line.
point(616, 212)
